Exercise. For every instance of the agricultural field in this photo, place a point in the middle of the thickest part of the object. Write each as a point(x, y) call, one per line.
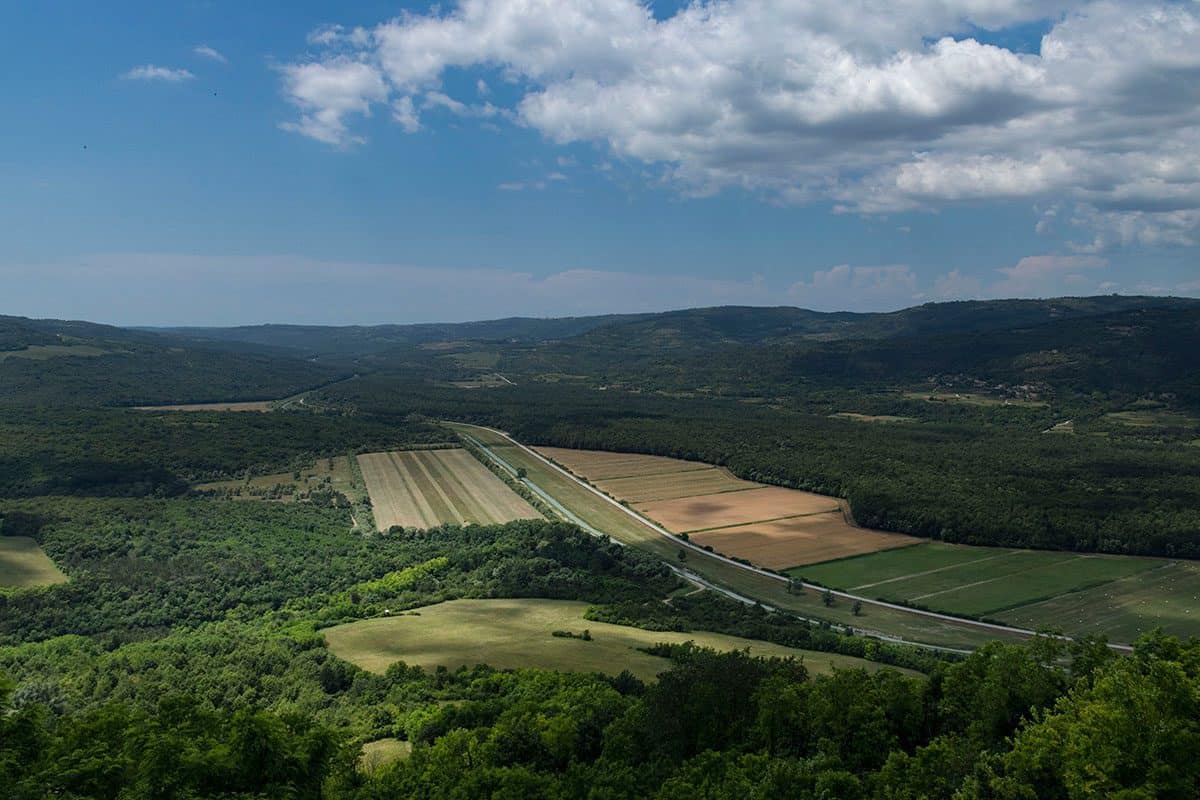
point(425, 488)
point(783, 543)
point(1079, 593)
point(516, 634)
point(599, 515)
point(600, 465)
point(770, 526)
point(23, 564)
point(285, 487)
point(706, 512)
point(1167, 595)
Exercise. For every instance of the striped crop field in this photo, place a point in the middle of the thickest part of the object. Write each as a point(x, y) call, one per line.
point(426, 488)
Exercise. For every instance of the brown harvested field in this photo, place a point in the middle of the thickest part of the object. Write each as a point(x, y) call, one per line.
point(425, 488)
point(673, 485)
point(599, 465)
point(258, 405)
point(735, 508)
point(798, 541)
point(769, 526)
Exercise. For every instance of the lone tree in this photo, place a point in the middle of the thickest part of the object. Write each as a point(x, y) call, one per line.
point(522, 472)
point(857, 608)
point(795, 586)
point(827, 598)
point(682, 555)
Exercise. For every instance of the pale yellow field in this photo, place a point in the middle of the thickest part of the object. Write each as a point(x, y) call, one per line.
point(735, 508)
point(23, 564)
point(425, 488)
point(599, 465)
point(516, 634)
point(797, 541)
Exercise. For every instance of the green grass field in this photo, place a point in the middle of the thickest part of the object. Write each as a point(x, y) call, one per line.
point(1166, 596)
point(515, 634)
point(607, 518)
point(23, 564)
point(378, 754)
point(1117, 595)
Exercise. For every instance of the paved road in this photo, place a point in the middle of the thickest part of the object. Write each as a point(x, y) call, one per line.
point(765, 573)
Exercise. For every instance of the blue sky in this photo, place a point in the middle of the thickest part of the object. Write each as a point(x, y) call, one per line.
point(230, 162)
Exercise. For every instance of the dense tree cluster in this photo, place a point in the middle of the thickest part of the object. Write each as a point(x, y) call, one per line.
point(1008, 722)
point(118, 452)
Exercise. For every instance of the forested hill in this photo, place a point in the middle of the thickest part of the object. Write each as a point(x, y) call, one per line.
point(696, 328)
point(56, 362)
point(1137, 351)
point(358, 340)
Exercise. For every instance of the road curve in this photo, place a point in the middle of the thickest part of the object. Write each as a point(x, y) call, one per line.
point(774, 575)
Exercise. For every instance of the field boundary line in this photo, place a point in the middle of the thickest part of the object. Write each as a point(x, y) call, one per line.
point(758, 521)
point(647, 474)
point(452, 508)
point(932, 571)
point(409, 481)
point(774, 575)
point(471, 504)
point(973, 584)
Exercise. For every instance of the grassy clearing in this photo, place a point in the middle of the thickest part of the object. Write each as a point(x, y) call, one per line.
point(381, 752)
point(258, 405)
point(42, 352)
point(1151, 418)
point(1117, 595)
point(971, 399)
point(425, 488)
point(286, 487)
point(605, 517)
point(23, 564)
point(516, 634)
point(856, 417)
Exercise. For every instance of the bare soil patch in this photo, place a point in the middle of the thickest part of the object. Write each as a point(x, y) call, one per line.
point(735, 508)
point(799, 540)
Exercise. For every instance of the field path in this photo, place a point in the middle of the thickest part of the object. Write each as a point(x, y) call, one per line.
point(991, 626)
point(923, 573)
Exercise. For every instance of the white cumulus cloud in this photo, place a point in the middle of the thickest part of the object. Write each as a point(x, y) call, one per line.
point(151, 72)
point(874, 106)
point(211, 53)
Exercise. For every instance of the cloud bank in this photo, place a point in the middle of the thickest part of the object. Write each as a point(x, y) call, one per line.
point(874, 107)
